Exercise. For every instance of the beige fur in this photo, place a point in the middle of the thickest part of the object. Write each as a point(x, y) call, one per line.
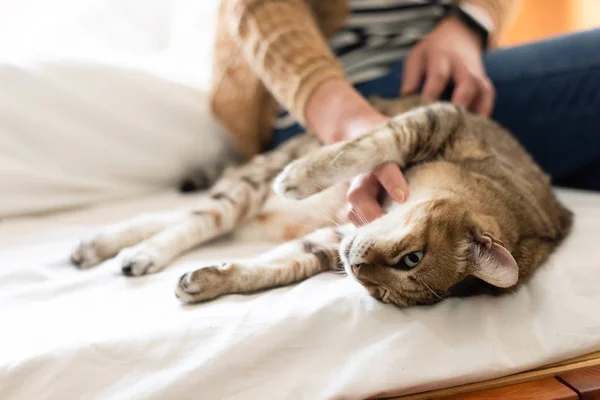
point(480, 218)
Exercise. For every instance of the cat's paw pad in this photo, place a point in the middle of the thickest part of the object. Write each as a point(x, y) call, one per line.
point(86, 254)
point(294, 182)
point(203, 284)
point(138, 263)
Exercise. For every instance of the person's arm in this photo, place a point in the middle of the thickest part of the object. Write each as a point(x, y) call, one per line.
point(284, 46)
point(338, 112)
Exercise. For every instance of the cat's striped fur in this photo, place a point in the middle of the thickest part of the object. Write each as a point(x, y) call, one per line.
point(481, 215)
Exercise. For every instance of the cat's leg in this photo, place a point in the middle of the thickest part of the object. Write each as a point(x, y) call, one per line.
point(155, 253)
point(111, 240)
point(236, 198)
point(291, 262)
point(418, 135)
point(279, 220)
point(282, 220)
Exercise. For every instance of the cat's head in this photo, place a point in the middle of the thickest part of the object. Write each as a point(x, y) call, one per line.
point(420, 251)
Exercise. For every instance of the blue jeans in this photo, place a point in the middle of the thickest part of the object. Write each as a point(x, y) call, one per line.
point(547, 95)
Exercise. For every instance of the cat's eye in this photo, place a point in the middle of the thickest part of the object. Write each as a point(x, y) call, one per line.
point(409, 261)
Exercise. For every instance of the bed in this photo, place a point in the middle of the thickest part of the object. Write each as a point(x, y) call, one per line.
point(69, 334)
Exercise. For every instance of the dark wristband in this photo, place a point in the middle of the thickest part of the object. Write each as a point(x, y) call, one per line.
point(472, 24)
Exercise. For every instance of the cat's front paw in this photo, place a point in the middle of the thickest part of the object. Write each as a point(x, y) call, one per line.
point(294, 182)
point(203, 284)
point(312, 174)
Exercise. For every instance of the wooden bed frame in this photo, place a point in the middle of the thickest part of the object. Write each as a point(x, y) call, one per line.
point(577, 378)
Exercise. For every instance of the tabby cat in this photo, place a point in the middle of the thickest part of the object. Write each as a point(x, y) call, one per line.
point(480, 218)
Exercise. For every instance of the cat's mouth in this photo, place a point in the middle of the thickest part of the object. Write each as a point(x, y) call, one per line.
point(379, 293)
point(374, 290)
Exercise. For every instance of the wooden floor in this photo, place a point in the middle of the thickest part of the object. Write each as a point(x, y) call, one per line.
point(545, 389)
point(578, 378)
point(585, 382)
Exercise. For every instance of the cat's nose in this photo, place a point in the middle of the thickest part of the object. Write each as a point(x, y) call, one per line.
point(356, 268)
point(356, 256)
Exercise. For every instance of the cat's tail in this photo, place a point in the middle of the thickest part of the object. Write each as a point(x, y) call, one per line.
point(565, 221)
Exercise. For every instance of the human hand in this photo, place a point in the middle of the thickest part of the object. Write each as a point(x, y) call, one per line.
point(454, 51)
point(337, 112)
point(364, 189)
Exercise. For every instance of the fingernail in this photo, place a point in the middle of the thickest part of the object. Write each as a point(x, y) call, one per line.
point(398, 195)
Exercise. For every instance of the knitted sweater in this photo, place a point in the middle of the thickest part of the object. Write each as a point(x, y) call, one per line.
point(270, 51)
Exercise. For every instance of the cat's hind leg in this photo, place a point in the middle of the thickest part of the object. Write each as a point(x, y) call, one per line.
point(236, 198)
point(230, 204)
point(147, 244)
point(111, 240)
point(151, 242)
point(288, 263)
point(234, 201)
point(155, 253)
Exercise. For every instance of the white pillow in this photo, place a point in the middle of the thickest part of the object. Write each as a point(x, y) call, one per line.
point(102, 100)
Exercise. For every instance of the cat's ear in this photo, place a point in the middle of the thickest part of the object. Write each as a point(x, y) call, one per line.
point(491, 262)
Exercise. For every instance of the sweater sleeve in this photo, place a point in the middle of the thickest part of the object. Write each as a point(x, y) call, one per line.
point(283, 44)
point(500, 11)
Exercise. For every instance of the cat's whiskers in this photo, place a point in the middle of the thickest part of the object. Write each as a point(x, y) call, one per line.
point(330, 217)
point(334, 159)
point(306, 210)
point(430, 289)
point(361, 216)
point(327, 216)
point(312, 228)
point(358, 212)
point(314, 213)
point(329, 211)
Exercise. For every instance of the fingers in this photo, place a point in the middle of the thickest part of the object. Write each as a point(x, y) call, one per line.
point(392, 180)
point(465, 89)
point(364, 190)
point(368, 211)
point(473, 91)
point(487, 96)
point(362, 199)
point(439, 70)
point(413, 71)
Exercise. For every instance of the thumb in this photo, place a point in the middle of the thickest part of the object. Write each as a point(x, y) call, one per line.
point(391, 178)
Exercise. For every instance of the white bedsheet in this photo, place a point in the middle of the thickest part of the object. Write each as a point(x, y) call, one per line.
point(104, 99)
point(68, 334)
